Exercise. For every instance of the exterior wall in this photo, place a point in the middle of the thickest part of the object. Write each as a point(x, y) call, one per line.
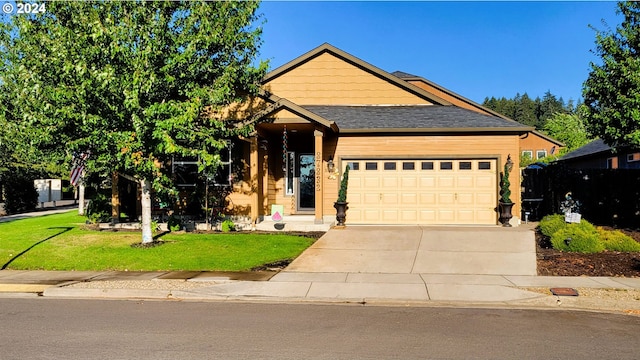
point(533, 143)
point(424, 146)
point(599, 161)
point(328, 80)
point(443, 95)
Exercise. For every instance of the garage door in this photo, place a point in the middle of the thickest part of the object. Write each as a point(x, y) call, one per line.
point(443, 191)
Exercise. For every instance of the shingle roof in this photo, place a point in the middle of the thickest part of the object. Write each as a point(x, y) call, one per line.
point(592, 148)
point(416, 117)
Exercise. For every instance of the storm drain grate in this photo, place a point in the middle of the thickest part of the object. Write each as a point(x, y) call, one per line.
point(564, 291)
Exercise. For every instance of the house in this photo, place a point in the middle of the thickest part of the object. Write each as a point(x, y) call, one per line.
point(418, 154)
point(598, 155)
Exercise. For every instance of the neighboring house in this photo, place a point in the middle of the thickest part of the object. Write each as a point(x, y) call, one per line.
point(417, 155)
point(533, 144)
point(598, 155)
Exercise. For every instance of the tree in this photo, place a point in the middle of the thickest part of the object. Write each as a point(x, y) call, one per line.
point(612, 89)
point(135, 83)
point(567, 128)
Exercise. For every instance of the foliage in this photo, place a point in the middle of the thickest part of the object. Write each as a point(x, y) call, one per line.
point(551, 223)
point(612, 89)
point(71, 247)
point(342, 193)
point(174, 223)
point(228, 225)
point(530, 112)
point(20, 193)
point(567, 128)
point(136, 85)
point(614, 240)
point(99, 209)
point(505, 191)
point(577, 238)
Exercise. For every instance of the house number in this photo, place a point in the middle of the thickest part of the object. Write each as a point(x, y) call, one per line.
point(318, 171)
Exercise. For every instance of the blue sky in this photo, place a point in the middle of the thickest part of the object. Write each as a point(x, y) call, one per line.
point(476, 49)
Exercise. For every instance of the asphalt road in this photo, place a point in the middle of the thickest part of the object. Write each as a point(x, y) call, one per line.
point(38, 328)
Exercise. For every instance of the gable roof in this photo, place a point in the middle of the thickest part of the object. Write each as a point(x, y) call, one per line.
point(416, 118)
point(277, 103)
point(593, 148)
point(328, 48)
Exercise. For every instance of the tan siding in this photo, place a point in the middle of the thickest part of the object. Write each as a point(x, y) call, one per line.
point(471, 146)
point(328, 80)
point(534, 143)
point(443, 95)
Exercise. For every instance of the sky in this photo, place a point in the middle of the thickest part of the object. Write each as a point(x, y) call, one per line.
point(477, 49)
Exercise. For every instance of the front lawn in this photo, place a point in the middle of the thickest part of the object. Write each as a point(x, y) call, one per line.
point(58, 242)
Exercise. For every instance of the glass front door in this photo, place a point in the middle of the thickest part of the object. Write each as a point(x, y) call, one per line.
point(306, 182)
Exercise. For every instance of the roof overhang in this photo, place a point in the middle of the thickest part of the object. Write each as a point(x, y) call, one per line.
point(276, 103)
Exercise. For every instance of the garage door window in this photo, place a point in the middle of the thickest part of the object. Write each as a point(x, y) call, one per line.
point(464, 165)
point(354, 165)
point(427, 165)
point(484, 165)
point(390, 166)
point(446, 165)
point(371, 166)
point(408, 166)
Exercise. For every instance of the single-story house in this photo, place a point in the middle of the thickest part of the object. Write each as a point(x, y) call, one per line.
point(416, 155)
point(598, 155)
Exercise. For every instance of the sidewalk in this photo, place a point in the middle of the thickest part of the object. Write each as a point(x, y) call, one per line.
point(356, 288)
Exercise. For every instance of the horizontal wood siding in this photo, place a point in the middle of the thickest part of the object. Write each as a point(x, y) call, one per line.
point(447, 97)
point(327, 80)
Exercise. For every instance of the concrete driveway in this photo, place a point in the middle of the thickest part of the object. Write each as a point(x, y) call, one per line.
point(422, 250)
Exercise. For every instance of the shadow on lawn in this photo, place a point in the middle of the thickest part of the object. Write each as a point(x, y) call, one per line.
point(62, 231)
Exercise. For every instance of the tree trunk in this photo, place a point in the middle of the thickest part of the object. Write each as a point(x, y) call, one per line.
point(145, 201)
point(81, 198)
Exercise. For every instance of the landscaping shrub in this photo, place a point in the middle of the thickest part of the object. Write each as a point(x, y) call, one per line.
point(615, 240)
point(99, 209)
point(227, 226)
point(552, 223)
point(174, 223)
point(20, 194)
point(577, 238)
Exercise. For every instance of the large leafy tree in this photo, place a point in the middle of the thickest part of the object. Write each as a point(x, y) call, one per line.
point(136, 83)
point(612, 90)
point(567, 128)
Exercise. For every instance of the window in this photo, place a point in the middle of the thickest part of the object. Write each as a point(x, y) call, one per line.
point(464, 165)
point(290, 172)
point(185, 171)
point(354, 165)
point(223, 175)
point(408, 165)
point(427, 165)
point(446, 165)
point(390, 165)
point(633, 157)
point(540, 154)
point(612, 163)
point(371, 166)
point(484, 165)
point(527, 154)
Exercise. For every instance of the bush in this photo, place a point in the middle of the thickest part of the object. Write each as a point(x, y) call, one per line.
point(581, 238)
point(227, 226)
point(174, 223)
point(99, 209)
point(552, 223)
point(617, 241)
point(20, 194)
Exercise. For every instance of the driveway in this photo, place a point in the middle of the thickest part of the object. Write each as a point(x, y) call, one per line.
point(422, 250)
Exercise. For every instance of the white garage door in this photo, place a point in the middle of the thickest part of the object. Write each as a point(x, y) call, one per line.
point(443, 191)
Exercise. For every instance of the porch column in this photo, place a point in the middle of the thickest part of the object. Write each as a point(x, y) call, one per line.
point(253, 179)
point(318, 180)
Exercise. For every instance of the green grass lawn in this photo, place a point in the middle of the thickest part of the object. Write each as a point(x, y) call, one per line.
point(58, 242)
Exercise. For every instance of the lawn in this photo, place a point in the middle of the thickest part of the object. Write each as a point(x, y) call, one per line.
point(59, 242)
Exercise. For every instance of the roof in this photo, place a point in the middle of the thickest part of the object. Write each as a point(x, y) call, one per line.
point(328, 48)
point(595, 147)
point(430, 118)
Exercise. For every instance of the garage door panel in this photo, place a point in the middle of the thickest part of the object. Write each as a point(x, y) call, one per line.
point(397, 191)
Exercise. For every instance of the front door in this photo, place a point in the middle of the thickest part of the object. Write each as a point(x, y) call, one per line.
point(306, 182)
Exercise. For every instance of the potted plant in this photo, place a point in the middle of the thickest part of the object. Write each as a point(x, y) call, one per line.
point(505, 194)
point(341, 203)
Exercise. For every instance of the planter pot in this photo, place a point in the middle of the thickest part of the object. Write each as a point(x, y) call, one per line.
point(505, 213)
point(341, 212)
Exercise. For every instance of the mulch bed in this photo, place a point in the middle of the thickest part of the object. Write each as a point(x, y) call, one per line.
point(608, 263)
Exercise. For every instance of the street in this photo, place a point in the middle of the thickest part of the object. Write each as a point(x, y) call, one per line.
point(93, 329)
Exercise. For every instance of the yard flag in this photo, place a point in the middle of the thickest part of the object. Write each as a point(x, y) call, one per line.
point(79, 161)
